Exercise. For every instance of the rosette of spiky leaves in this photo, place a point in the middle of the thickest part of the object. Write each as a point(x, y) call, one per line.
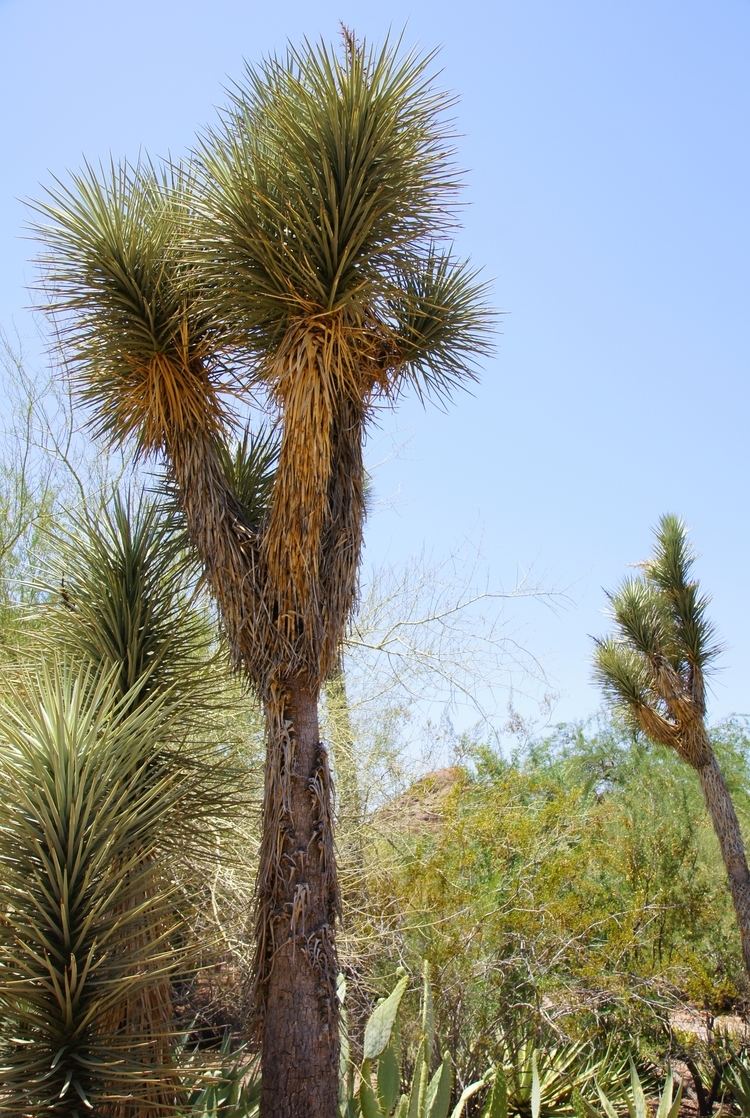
point(250, 466)
point(90, 797)
point(654, 667)
point(546, 1077)
point(121, 597)
point(668, 1105)
point(146, 356)
point(320, 199)
point(140, 352)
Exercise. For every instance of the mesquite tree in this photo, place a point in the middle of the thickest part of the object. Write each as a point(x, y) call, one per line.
point(655, 670)
point(303, 257)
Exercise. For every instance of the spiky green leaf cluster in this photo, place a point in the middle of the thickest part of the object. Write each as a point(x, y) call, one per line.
point(325, 193)
point(140, 349)
point(654, 666)
point(670, 570)
point(668, 1105)
point(539, 1079)
point(121, 599)
point(322, 194)
point(87, 913)
point(440, 326)
point(249, 466)
point(109, 779)
point(326, 172)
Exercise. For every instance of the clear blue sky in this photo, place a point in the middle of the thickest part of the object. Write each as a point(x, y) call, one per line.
point(608, 182)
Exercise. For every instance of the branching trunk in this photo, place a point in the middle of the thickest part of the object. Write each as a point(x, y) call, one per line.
point(297, 910)
point(285, 656)
point(727, 828)
point(217, 527)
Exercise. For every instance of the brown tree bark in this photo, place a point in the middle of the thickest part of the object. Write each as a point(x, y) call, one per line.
point(298, 906)
point(727, 828)
point(297, 900)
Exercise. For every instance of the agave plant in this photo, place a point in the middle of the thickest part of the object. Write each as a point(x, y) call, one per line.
point(550, 1079)
point(668, 1105)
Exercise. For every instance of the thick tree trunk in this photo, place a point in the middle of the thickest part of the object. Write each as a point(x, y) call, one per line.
point(727, 828)
point(297, 909)
point(297, 894)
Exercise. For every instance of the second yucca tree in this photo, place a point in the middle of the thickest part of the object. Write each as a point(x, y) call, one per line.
point(654, 669)
point(300, 260)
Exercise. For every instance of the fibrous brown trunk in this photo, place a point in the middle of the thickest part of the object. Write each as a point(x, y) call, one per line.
point(285, 652)
point(727, 828)
point(298, 905)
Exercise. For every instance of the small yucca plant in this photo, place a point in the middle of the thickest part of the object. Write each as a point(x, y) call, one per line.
point(103, 792)
point(87, 916)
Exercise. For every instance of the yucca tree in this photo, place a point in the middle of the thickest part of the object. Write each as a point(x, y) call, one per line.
point(297, 261)
point(115, 797)
point(654, 669)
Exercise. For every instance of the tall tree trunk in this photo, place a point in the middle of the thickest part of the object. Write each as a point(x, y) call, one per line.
point(727, 828)
point(297, 909)
point(297, 899)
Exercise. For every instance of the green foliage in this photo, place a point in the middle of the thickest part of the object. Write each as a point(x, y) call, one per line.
point(552, 1078)
point(737, 1080)
point(578, 883)
point(378, 1091)
point(104, 798)
point(231, 1090)
point(120, 598)
point(668, 1106)
point(708, 1060)
point(322, 191)
point(654, 667)
point(86, 803)
point(530, 1080)
point(380, 1025)
point(136, 343)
